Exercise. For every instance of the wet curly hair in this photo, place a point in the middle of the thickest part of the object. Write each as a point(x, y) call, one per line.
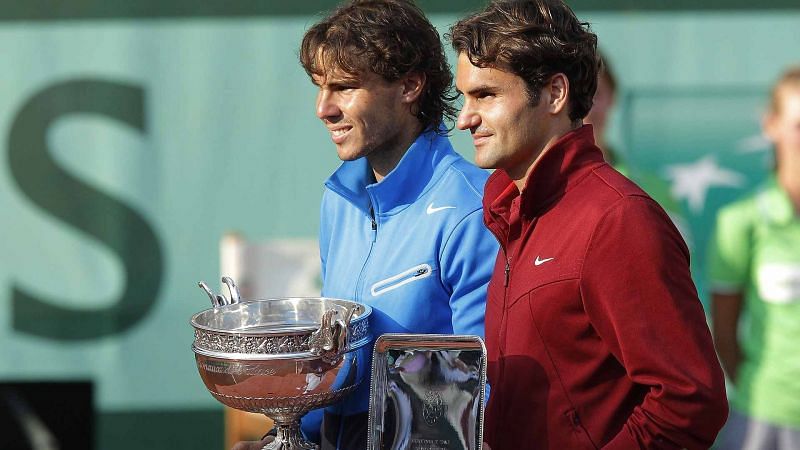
point(390, 38)
point(533, 39)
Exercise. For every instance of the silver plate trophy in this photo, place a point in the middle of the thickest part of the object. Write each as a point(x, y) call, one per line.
point(427, 392)
point(281, 357)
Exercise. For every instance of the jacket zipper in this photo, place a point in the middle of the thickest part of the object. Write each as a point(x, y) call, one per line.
point(501, 368)
point(374, 226)
point(415, 273)
point(507, 271)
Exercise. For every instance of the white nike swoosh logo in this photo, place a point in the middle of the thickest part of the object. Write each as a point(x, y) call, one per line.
point(432, 210)
point(539, 262)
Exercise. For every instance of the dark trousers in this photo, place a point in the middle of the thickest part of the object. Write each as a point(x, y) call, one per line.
point(344, 432)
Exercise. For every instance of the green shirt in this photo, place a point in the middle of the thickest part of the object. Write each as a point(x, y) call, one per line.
point(755, 251)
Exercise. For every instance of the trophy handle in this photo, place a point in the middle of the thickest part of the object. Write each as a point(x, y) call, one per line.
point(236, 297)
point(216, 299)
point(323, 340)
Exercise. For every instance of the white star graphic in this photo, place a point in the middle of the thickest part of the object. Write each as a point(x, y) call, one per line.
point(692, 181)
point(754, 144)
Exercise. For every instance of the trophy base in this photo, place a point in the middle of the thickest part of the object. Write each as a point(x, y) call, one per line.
point(289, 437)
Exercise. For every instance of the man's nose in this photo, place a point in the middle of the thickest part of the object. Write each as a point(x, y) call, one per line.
point(467, 118)
point(326, 107)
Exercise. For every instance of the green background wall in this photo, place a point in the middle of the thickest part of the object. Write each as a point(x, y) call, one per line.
point(134, 134)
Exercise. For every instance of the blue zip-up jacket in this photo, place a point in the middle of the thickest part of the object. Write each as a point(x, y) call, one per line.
point(413, 246)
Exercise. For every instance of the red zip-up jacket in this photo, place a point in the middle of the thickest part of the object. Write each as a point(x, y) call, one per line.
point(594, 332)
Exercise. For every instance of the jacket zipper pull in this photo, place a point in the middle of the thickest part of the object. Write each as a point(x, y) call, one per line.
point(372, 218)
point(508, 269)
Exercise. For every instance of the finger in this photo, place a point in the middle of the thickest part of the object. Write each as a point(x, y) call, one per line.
point(251, 445)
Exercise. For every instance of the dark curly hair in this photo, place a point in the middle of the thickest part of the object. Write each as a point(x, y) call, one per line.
point(533, 39)
point(390, 38)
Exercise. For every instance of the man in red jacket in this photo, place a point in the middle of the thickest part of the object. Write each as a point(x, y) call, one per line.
point(595, 335)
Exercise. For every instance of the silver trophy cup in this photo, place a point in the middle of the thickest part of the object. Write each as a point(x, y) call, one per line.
point(281, 357)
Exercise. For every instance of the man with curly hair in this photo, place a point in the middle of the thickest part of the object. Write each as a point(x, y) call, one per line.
point(595, 335)
point(401, 222)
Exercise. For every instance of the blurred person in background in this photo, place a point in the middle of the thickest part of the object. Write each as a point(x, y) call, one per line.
point(595, 335)
point(401, 219)
point(605, 98)
point(754, 268)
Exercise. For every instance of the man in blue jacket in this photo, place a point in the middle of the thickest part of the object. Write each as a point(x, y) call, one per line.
point(401, 219)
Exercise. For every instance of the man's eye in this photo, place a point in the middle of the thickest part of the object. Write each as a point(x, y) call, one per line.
point(485, 95)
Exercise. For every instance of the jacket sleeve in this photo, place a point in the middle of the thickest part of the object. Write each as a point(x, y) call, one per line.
point(466, 262)
point(638, 293)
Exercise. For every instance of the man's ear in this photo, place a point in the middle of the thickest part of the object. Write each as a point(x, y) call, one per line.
point(557, 91)
point(413, 83)
point(768, 121)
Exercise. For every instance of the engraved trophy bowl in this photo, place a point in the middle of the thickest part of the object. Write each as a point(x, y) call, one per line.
point(281, 357)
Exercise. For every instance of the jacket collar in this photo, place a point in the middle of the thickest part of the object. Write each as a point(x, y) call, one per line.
point(419, 168)
point(559, 168)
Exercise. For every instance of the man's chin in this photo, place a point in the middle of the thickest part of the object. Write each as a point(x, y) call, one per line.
point(347, 158)
point(346, 153)
point(485, 164)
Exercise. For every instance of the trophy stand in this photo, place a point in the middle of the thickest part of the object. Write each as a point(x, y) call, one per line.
point(289, 436)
